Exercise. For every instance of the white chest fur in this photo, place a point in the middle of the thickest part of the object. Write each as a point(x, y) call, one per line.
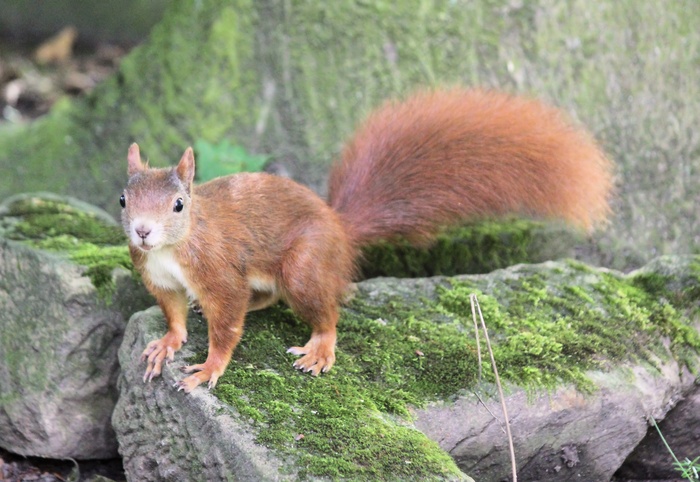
point(166, 273)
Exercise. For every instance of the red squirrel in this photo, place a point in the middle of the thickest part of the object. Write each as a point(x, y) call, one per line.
point(242, 242)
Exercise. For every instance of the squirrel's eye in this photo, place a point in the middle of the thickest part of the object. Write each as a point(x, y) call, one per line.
point(122, 201)
point(178, 205)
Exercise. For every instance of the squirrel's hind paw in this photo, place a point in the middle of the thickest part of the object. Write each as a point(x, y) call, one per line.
point(317, 357)
point(203, 374)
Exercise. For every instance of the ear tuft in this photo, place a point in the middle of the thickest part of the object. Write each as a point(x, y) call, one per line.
point(134, 158)
point(185, 168)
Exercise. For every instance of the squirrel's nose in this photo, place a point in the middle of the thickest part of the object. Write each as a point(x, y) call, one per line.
point(143, 232)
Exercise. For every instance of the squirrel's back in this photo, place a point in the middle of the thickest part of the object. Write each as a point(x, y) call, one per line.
point(441, 157)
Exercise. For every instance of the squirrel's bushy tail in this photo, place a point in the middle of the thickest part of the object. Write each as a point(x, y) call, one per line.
point(442, 157)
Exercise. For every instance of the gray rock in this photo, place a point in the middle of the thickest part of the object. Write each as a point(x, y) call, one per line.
point(681, 429)
point(169, 435)
point(681, 426)
point(560, 433)
point(58, 350)
point(563, 435)
point(567, 435)
point(58, 372)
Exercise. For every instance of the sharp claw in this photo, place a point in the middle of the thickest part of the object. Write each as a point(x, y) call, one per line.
point(147, 351)
point(175, 385)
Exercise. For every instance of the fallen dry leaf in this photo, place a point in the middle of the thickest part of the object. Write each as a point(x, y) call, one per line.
point(58, 48)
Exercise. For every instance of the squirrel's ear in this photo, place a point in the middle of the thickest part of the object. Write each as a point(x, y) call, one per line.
point(134, 158)
point(185, 168)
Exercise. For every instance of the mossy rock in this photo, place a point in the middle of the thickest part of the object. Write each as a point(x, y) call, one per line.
point(651, 460)
point(209, 439)
point(66, 291)
point(478, 247)
point(564, 335)
point(83, 233)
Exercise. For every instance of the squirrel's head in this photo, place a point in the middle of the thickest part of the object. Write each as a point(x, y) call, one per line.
point(156, 203)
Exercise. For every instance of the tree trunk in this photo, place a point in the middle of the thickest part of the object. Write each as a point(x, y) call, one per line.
point(290, 79)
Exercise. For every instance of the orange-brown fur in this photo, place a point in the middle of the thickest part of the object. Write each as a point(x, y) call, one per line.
point(438, 158)
point(444, 156)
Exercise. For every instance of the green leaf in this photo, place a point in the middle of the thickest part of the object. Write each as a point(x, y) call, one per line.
point(216, 160)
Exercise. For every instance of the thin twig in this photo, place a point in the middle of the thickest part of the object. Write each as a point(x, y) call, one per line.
point(474, 302)
point(476, 335)
point(503, 429)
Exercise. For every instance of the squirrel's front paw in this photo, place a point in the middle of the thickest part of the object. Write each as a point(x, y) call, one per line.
point(158, 351)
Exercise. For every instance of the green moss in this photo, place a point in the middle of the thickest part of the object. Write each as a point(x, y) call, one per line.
point(398, 349)
point(680, 291)
point(348, 416)
point(100, 262)
point(478, 247)
point(51, 220)
point(61, 225)
point(548, 333)
point(166, 111)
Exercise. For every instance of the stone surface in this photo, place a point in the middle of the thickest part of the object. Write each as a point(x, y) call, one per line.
point(58, 372)
point(564, 432)
point(58, 347)
point(563, 435)
point(681, 429)
point(169, 435)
